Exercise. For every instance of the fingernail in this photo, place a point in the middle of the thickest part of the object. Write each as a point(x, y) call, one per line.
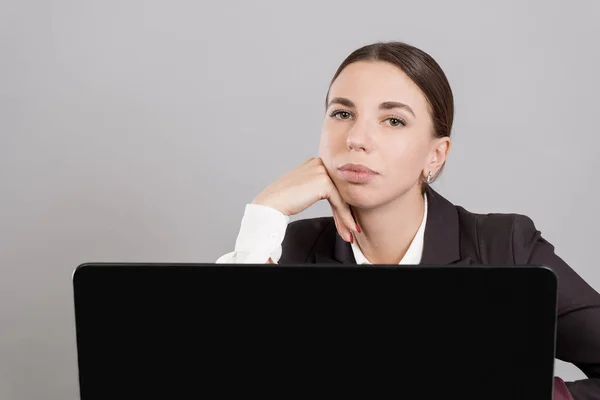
point(357, 228)
point(351, 238)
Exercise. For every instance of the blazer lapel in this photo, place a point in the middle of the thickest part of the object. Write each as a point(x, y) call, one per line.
point(442, 232)
point(332, 249)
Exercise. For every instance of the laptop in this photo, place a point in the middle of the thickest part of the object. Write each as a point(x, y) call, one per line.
point(208, 331)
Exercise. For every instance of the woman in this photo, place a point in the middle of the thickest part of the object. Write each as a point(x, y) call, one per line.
point(385, 138)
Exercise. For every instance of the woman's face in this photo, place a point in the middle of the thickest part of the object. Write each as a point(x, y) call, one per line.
point(377, 118)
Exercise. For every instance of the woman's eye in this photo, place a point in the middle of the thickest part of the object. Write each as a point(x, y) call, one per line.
point(341, 114)
point(396, 122)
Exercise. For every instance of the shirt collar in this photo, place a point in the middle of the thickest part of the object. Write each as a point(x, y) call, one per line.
point(415, 250)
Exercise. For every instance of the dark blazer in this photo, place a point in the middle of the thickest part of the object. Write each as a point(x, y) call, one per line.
point(456, 236)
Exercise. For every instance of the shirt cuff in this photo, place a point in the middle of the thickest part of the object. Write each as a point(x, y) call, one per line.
point(261, 233)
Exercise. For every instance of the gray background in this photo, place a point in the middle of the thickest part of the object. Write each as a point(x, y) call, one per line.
point(137, 131)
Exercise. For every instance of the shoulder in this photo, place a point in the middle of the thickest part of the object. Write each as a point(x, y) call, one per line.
point(302, 235)
point(510, 223)
point(498, 237)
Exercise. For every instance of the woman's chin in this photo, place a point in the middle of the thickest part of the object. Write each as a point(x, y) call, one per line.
point(360, 197)
point(370, 197)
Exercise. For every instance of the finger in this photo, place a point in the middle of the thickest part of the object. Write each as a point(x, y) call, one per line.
point(341, 229)
point(308, 161)
point(354, 218)
point(342, 209)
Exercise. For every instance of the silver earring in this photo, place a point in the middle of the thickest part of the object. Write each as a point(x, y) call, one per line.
point(429, 177)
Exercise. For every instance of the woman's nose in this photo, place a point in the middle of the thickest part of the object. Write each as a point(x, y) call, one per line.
point(359, 139)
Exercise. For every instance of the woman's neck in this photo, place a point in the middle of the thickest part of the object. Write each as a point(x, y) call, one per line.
point(388, 230)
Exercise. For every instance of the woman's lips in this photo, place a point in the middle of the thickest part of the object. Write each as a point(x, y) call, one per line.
point(357, 173)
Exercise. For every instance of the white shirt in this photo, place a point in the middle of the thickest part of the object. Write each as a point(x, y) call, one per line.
point(263, 229)
point(414, 252)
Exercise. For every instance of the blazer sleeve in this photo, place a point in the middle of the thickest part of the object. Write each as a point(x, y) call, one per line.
point(578, 318)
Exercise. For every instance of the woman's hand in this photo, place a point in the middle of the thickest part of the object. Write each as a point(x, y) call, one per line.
point(302, 187)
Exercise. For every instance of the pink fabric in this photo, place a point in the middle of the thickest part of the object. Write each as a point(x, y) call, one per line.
point(561, 392)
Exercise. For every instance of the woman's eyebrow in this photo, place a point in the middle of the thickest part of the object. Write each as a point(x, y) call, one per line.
point(343, 101)
point(388, 105)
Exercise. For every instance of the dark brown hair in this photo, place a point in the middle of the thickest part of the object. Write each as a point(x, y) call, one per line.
point(422, 69)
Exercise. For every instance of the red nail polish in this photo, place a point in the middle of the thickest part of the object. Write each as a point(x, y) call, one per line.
point(351, 238)
point(357, 228)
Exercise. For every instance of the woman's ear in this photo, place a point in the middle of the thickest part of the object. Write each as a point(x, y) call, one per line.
point(438, 154)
